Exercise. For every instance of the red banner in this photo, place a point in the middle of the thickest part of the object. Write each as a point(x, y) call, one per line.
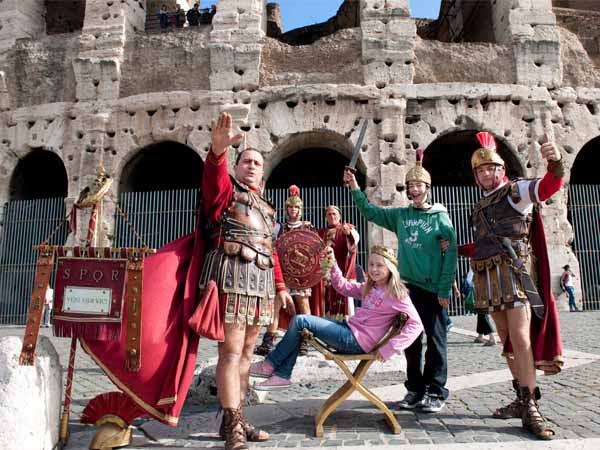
point(88, 297)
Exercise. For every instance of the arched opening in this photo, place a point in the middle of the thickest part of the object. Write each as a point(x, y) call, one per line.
point(448, 159)
point(315, 162)
point(35, 214)
point(294, 24)
point(163, 166)
point(584, 216)
point(64, 16)
point(40, 174)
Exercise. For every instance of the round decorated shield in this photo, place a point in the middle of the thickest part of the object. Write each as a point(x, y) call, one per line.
point(299, 252)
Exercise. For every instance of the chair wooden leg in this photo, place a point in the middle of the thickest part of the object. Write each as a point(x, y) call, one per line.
point(330, 405)
point(389, 415)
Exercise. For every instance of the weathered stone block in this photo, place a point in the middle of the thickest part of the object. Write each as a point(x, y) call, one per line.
point(30, 396)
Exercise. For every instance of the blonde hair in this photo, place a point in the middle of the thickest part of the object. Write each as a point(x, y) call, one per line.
point(395, 287)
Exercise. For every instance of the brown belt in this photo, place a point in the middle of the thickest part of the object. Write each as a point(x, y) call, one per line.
point(36, 305)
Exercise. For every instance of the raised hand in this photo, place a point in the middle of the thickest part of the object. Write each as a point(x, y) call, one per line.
point(222, 134)
point(350, 179)
point(549, 150)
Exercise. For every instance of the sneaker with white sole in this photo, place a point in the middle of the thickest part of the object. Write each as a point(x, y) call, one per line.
point(431, 404)
point(274, 383)
point(261, 369)
point(410, 400)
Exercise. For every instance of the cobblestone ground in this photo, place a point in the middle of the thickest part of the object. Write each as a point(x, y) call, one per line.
point(571, 400)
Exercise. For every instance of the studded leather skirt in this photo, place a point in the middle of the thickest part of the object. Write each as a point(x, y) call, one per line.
point(248, 292)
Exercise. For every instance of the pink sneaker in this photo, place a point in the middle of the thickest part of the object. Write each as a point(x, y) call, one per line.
point(273, 383)
point(261, 369)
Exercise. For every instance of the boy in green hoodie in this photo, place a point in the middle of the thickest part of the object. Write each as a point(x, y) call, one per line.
point(428, 272)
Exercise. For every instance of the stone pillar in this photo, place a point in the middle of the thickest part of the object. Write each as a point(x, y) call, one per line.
point(235, 44)
point(105, 30)
point(21, 19)
point(388, 41)
point(274, 22)
point(531, 26)
point(391, 164)
point(31, 396)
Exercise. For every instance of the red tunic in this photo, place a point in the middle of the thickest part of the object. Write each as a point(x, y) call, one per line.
point(336, 305)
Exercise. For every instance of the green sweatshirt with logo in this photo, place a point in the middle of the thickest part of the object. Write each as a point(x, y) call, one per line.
point(419, 232)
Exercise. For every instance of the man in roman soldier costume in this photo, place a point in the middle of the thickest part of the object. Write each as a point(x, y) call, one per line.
point(242, 261)
point(508, 239)
point(234, 249)
point(343, 238)
point(304, 299)
point(428, 270)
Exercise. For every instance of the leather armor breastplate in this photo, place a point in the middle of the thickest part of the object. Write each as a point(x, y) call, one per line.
point(503, 221)
point(247, 227)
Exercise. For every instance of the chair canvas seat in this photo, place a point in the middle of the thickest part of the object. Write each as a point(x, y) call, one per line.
point(354, 382)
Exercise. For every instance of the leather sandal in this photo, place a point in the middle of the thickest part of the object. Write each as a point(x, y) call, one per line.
point(514, 410)
point(233, 430)
point(252, 434)
point(532, 420)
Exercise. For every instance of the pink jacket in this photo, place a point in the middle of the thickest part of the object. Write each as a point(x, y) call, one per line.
point(374, 318)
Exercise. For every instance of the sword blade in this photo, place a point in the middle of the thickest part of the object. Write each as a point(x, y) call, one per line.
point(358, 146)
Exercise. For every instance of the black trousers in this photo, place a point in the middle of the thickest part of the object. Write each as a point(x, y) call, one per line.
point(484, 325)
point(431, 377)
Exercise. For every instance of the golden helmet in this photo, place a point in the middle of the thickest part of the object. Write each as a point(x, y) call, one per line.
point(294, 198)
point(418, 173)
point(487, 154)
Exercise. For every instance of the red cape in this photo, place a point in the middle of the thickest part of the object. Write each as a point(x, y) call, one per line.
point(168, 347)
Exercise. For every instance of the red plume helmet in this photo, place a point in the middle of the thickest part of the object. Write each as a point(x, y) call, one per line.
point(294, 191)
point(487, 154)
point(486, 140)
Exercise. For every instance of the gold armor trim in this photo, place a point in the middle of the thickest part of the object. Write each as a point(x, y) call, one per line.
point(497, 286)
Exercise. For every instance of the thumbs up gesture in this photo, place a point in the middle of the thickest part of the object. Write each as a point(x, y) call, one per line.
point(549, 150)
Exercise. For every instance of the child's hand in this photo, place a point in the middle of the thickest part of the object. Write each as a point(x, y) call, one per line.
point(327, 261)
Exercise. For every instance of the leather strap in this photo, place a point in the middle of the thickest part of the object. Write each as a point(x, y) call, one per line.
point(43, 271)
point(133, 302)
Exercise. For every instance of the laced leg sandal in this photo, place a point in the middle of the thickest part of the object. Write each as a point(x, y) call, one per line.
point(532, 420)
point(252, 434)
point(303, 351)
point(268, 344)
point(514, 409)
point(233, 430)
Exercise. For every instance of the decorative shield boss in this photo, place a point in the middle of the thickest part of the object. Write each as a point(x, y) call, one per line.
point(299, 252)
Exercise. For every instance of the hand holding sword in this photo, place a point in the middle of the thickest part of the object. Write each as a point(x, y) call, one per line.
point(350, 169)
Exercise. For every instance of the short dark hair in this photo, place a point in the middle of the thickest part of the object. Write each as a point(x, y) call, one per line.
point(239, 155)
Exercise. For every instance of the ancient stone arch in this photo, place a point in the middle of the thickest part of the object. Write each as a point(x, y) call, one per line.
point(586, 164)
point(39, 174)
point(298, 155)
point(161, 166)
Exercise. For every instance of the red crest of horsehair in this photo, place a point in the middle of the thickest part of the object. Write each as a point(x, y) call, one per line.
point(294, 191)
point(486, 140)
point(419, 155)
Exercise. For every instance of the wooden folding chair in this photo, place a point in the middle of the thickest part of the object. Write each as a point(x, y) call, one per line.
point(354, 378)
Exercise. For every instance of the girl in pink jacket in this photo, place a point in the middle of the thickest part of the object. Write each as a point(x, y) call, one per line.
point(383, 297)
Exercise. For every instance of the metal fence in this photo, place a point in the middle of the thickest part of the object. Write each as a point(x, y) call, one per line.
point(584, 209)
point(162, 216)
point(24, 224)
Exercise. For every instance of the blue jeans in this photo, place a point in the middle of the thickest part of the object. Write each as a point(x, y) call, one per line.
point(334, 333)
point(571, 294)
point(432, 378)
